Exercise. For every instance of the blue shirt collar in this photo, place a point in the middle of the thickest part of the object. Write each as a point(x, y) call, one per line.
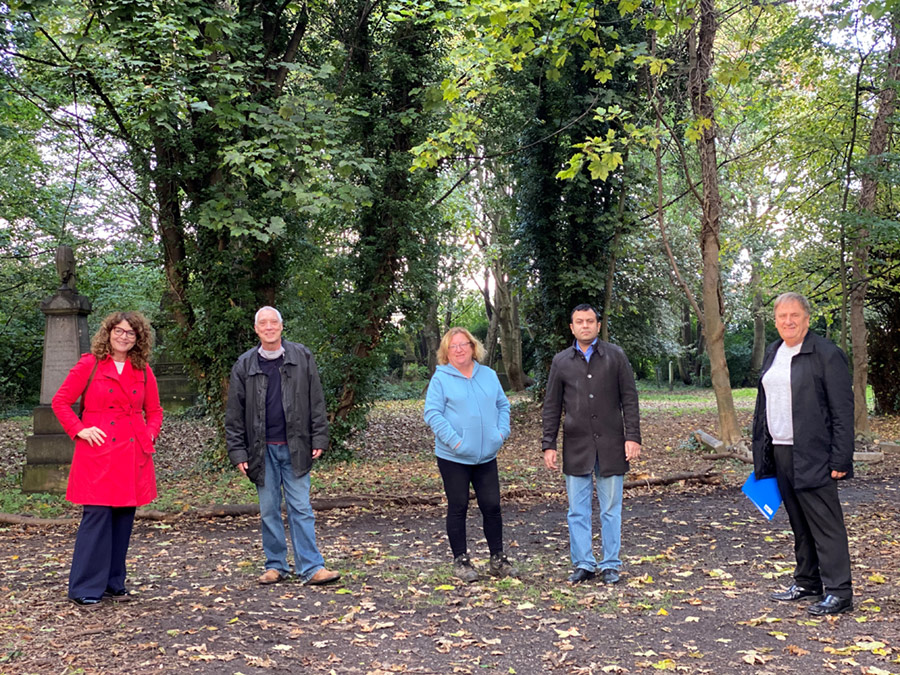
point(590, 350)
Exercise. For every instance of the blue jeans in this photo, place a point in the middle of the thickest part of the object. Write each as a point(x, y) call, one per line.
point(302, 521)
point(609, 494)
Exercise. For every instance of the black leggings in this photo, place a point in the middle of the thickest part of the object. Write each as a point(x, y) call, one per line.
point(486, 482)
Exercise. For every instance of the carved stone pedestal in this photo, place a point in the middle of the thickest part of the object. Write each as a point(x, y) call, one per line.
point(48, 453)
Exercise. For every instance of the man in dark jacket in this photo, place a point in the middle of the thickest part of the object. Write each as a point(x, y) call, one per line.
point(275, 426)
point(803, 435)
point(593, 383)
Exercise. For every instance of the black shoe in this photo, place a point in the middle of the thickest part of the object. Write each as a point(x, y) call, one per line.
point(796, 592)
point(86, 603)
point(580, 574)
point(832, 604)
point(610, 575)
point(122, 595)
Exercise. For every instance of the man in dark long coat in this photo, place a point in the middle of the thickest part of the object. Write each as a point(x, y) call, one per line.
point(593, 382)
point(803, 435)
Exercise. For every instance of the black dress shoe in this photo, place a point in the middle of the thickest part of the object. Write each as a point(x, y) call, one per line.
point(580, 574)
point(832, 604)
point(610, 575)
point(86, 603)
point(122, 595)
point(796, 592)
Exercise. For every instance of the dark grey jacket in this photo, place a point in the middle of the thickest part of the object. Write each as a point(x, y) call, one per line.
point(822, 408)
point(601, 405)
point(304, 411)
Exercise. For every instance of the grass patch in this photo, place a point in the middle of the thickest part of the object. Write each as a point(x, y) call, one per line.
point(39, 504)
point(704, 395)
point(219, 487)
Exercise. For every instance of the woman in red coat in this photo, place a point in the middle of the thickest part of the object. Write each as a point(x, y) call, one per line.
point(112, 469)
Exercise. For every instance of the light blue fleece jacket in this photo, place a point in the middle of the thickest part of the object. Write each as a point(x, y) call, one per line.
point(469, 416)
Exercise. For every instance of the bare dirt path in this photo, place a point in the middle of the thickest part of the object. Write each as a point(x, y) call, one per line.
point(699, 564)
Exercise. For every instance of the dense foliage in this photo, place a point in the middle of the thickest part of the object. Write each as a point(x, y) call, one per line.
point(384, 171)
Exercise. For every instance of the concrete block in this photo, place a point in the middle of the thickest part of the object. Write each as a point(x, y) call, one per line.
point(870, 457)
point(888, 446)
point(49, 449)
point(50, 478)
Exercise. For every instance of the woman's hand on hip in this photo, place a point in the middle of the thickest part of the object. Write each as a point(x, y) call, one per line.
point(92, 435)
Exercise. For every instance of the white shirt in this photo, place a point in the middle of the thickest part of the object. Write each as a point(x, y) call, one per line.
point(777, 385)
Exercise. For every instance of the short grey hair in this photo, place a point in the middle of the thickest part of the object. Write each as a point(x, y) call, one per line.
point(794, 297)
point(263, 309)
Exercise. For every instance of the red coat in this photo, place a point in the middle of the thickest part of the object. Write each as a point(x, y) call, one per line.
point(119, 472)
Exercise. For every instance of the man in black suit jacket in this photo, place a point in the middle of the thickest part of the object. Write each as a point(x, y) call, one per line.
point(803, 435)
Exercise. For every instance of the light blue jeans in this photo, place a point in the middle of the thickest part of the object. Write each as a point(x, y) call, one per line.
point(609, 495)
point(302, 521)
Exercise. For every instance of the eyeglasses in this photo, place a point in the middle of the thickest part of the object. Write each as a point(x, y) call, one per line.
point(119, 332)
point(459, 347)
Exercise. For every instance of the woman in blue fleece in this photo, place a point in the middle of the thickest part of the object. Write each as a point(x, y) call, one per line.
point(469, 414)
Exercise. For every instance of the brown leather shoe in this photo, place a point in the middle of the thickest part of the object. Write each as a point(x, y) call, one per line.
point(270, 576)
point(323, 576)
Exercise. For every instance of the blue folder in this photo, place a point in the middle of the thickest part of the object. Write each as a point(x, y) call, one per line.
point(764, 494)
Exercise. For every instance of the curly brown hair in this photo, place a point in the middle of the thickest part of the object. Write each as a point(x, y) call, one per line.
point(139, 354)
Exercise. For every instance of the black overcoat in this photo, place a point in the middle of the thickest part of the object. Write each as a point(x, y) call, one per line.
point(600, 400)
point(822, 408)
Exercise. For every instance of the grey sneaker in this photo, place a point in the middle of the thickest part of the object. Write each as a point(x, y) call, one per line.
point(501, 567)
point(462, 568)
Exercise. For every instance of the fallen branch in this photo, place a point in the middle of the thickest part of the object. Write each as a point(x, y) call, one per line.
point(707, 477)
point(15, 519)
point(88, 631)
point(325, 504)
point(729, 455)
point(321, 504)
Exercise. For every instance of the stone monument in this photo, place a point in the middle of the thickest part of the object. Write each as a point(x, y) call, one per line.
point(48, 452)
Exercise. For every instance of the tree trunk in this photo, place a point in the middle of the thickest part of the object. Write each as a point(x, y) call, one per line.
point(700, 47)
point(431, 337)
point(171, 229)
point(490, 346)
point(687, 342)
point(884, 350)
point(611, 268)
point(759, 326)
point(843, 261)
point(878, 144)
point(610, 278)
point(506, 307)
point(492, 312)
point(388, 236)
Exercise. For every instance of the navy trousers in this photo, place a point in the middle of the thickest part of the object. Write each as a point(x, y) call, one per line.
point(98, 562)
